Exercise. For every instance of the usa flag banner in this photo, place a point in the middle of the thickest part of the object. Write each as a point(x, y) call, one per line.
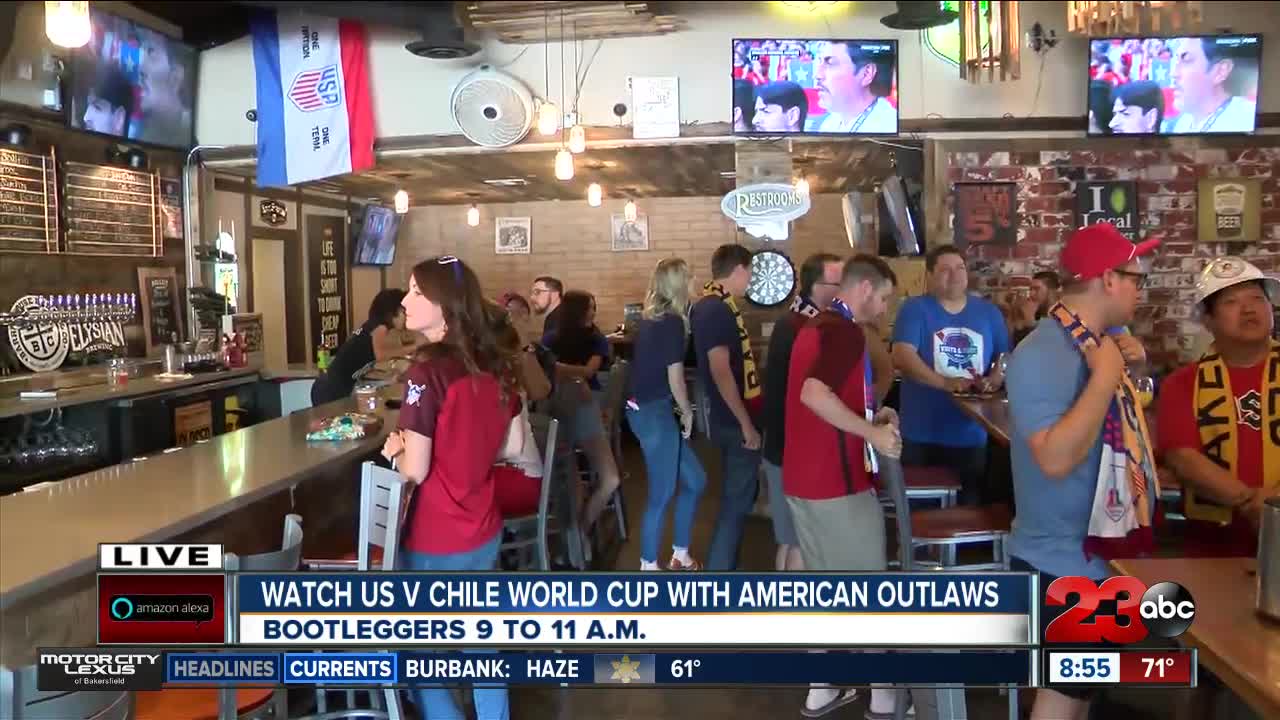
point(315, 118)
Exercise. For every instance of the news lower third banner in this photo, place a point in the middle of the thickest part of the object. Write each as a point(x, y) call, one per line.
point(635, 610)
point(116, 669)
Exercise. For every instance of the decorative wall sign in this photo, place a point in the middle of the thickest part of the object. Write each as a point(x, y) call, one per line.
point(192, 422)
point(512, 235)
point(1229, 210)
point(40, 347)
point(655, 107)
point(249, 327)
point(1110, 202)
point(171, 208)
point(765, 210)
point(327, 265)
point(986, 213)
point(773, 278)
point(273, 212)
point(111, 210)
point(28, 202)
point(628, 235)
point(161, 319)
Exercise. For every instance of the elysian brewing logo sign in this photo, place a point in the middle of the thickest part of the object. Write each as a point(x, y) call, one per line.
point(765, 210)
point(64, 669)
point(44, 346)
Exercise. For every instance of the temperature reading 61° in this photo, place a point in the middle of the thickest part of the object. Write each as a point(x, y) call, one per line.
point(1157, 665)
point(684, 668)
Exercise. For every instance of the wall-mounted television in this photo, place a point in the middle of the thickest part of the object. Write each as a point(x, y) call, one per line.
point(375, 236)
point(1191, 85)
point(133, 83)
point(787, 86)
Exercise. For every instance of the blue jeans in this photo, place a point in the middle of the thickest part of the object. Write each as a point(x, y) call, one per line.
point(438, 703)
point(667, 458)
point(737, 495)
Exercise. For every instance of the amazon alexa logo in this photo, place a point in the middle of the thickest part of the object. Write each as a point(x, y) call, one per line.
point(121, 608)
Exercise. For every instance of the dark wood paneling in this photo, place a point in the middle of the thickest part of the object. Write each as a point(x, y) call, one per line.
point(295, 292)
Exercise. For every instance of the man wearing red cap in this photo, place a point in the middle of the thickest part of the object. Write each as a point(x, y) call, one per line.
point(1083, 469)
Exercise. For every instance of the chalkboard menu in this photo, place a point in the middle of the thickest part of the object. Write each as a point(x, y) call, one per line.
point(28, 203)
point(158, 288)
point(326, 263)
point(111, 211)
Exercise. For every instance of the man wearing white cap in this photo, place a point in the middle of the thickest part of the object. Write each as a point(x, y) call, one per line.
point(1219, 418)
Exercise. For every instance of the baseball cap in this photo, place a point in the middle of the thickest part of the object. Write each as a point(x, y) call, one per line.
point(1097, 248)
point(1221, 273)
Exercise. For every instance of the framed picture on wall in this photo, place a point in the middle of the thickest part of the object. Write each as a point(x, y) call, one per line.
point(1229, 210)
point(512, 235)
point(629, 235)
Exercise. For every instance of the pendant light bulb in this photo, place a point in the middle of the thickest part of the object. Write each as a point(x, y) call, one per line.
point(66, 24)
point(548, 118)
point(802, 187)
point(564, 165)
point(402, 202)
point(595, 195)
point(629, 212)
point(577, 139)
point(473, 216)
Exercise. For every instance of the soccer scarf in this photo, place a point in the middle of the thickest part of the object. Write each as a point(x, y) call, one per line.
point(1120, 523)
point(750, 378)
point(1217, 421)
point(868, 391)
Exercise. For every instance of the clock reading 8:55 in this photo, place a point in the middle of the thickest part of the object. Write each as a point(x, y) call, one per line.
point(1084, 667)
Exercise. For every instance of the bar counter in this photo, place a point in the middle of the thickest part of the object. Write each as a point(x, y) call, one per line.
point(49, 537)
point(95, 389)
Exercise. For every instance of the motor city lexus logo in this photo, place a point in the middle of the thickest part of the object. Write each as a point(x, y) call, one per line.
point(317, 89)
point(74, 669)
point(101, 663)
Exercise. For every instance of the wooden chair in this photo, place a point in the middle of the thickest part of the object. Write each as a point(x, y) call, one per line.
point(21, 700)
point(533, 531)
point(615, 395)
point(383, 501)
point(231, 703)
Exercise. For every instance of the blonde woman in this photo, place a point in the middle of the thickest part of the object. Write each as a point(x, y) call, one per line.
point(657, 380)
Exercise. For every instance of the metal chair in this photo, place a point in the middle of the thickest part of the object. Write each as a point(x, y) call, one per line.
point(383, 502)
point(21, 700)
point(231, 703)
point(615, 394)
point(532, 531)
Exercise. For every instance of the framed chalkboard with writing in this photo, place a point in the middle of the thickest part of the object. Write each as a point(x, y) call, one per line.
point(161, 316)
point(28, 202)
point(111, 211)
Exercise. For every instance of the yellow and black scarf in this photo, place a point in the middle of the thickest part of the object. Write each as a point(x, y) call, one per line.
point(1217, 420)
point(1120, 523)
point(750, 377)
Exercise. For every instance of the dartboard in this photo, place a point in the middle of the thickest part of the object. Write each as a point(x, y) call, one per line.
point(773, 277)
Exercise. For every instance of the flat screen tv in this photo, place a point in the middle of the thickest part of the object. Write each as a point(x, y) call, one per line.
point(375, 237)
point(1193, 85)
point(786, 86)
point(133, 83)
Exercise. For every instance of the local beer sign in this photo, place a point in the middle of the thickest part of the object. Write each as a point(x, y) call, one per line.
point(1229, 210)
point(1108, 202)
point(42, 347)
point(765, 210)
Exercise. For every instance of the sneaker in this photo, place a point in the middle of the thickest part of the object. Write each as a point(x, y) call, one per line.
point(677, 565)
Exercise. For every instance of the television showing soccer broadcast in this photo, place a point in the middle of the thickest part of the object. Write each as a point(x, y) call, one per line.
point(830, 87)
point(134, 83)
point(1196, 85)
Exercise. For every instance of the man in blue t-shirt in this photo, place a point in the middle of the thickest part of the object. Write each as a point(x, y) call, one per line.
point(944, 343)
point(730, 386)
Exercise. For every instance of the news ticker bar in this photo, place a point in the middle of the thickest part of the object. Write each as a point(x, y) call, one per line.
point(602, 610)
point(144, 669)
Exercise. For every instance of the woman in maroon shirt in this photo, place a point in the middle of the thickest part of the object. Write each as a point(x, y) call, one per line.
point(455, 421)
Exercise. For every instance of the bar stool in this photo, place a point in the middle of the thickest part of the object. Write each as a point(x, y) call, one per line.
point(384, 498)
point(231, 703)
point(532, 531)
point(20, 700)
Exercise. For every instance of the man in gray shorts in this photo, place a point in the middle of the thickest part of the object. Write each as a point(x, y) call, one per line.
point(819, 281)
point(829, 462)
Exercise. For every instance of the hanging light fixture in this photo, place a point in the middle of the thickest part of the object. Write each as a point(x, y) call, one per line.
point(548, 112)
point(802, 187)
point(577, 139)
point(1098, 19)
point(595, 195)
point(473, 216)
point(629, 212)
point(548, 118)
point(66, 24)
point(564, 164)
point(402, 202)
point(990, 38)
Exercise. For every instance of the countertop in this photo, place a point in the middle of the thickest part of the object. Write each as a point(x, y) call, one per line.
point(95, 389)
point(158, 498)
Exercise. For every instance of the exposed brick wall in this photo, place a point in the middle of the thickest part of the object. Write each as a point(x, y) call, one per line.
point(1167, 194)
point(571, 241)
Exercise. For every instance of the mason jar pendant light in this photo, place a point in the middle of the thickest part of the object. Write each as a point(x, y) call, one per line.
point(402, 202)
point(577, 139)
point(66, 24)
point(473, 216)
point(595, 195)
point(629, 212)
point(564, 164)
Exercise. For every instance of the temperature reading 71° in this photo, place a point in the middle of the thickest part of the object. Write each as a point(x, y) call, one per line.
point(684, 668)
point(1157, 665)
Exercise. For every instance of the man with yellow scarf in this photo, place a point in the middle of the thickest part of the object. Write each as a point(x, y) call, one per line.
point(1219, 417)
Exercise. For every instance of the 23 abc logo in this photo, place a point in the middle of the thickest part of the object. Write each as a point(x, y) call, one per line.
point(1165, 610)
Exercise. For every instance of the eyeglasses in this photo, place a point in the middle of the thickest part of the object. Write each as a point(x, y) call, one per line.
point(1139, 279)
point(457, 266)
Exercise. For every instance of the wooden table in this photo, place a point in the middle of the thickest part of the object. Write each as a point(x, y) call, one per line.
point(1235, 643)
point(992, 412)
